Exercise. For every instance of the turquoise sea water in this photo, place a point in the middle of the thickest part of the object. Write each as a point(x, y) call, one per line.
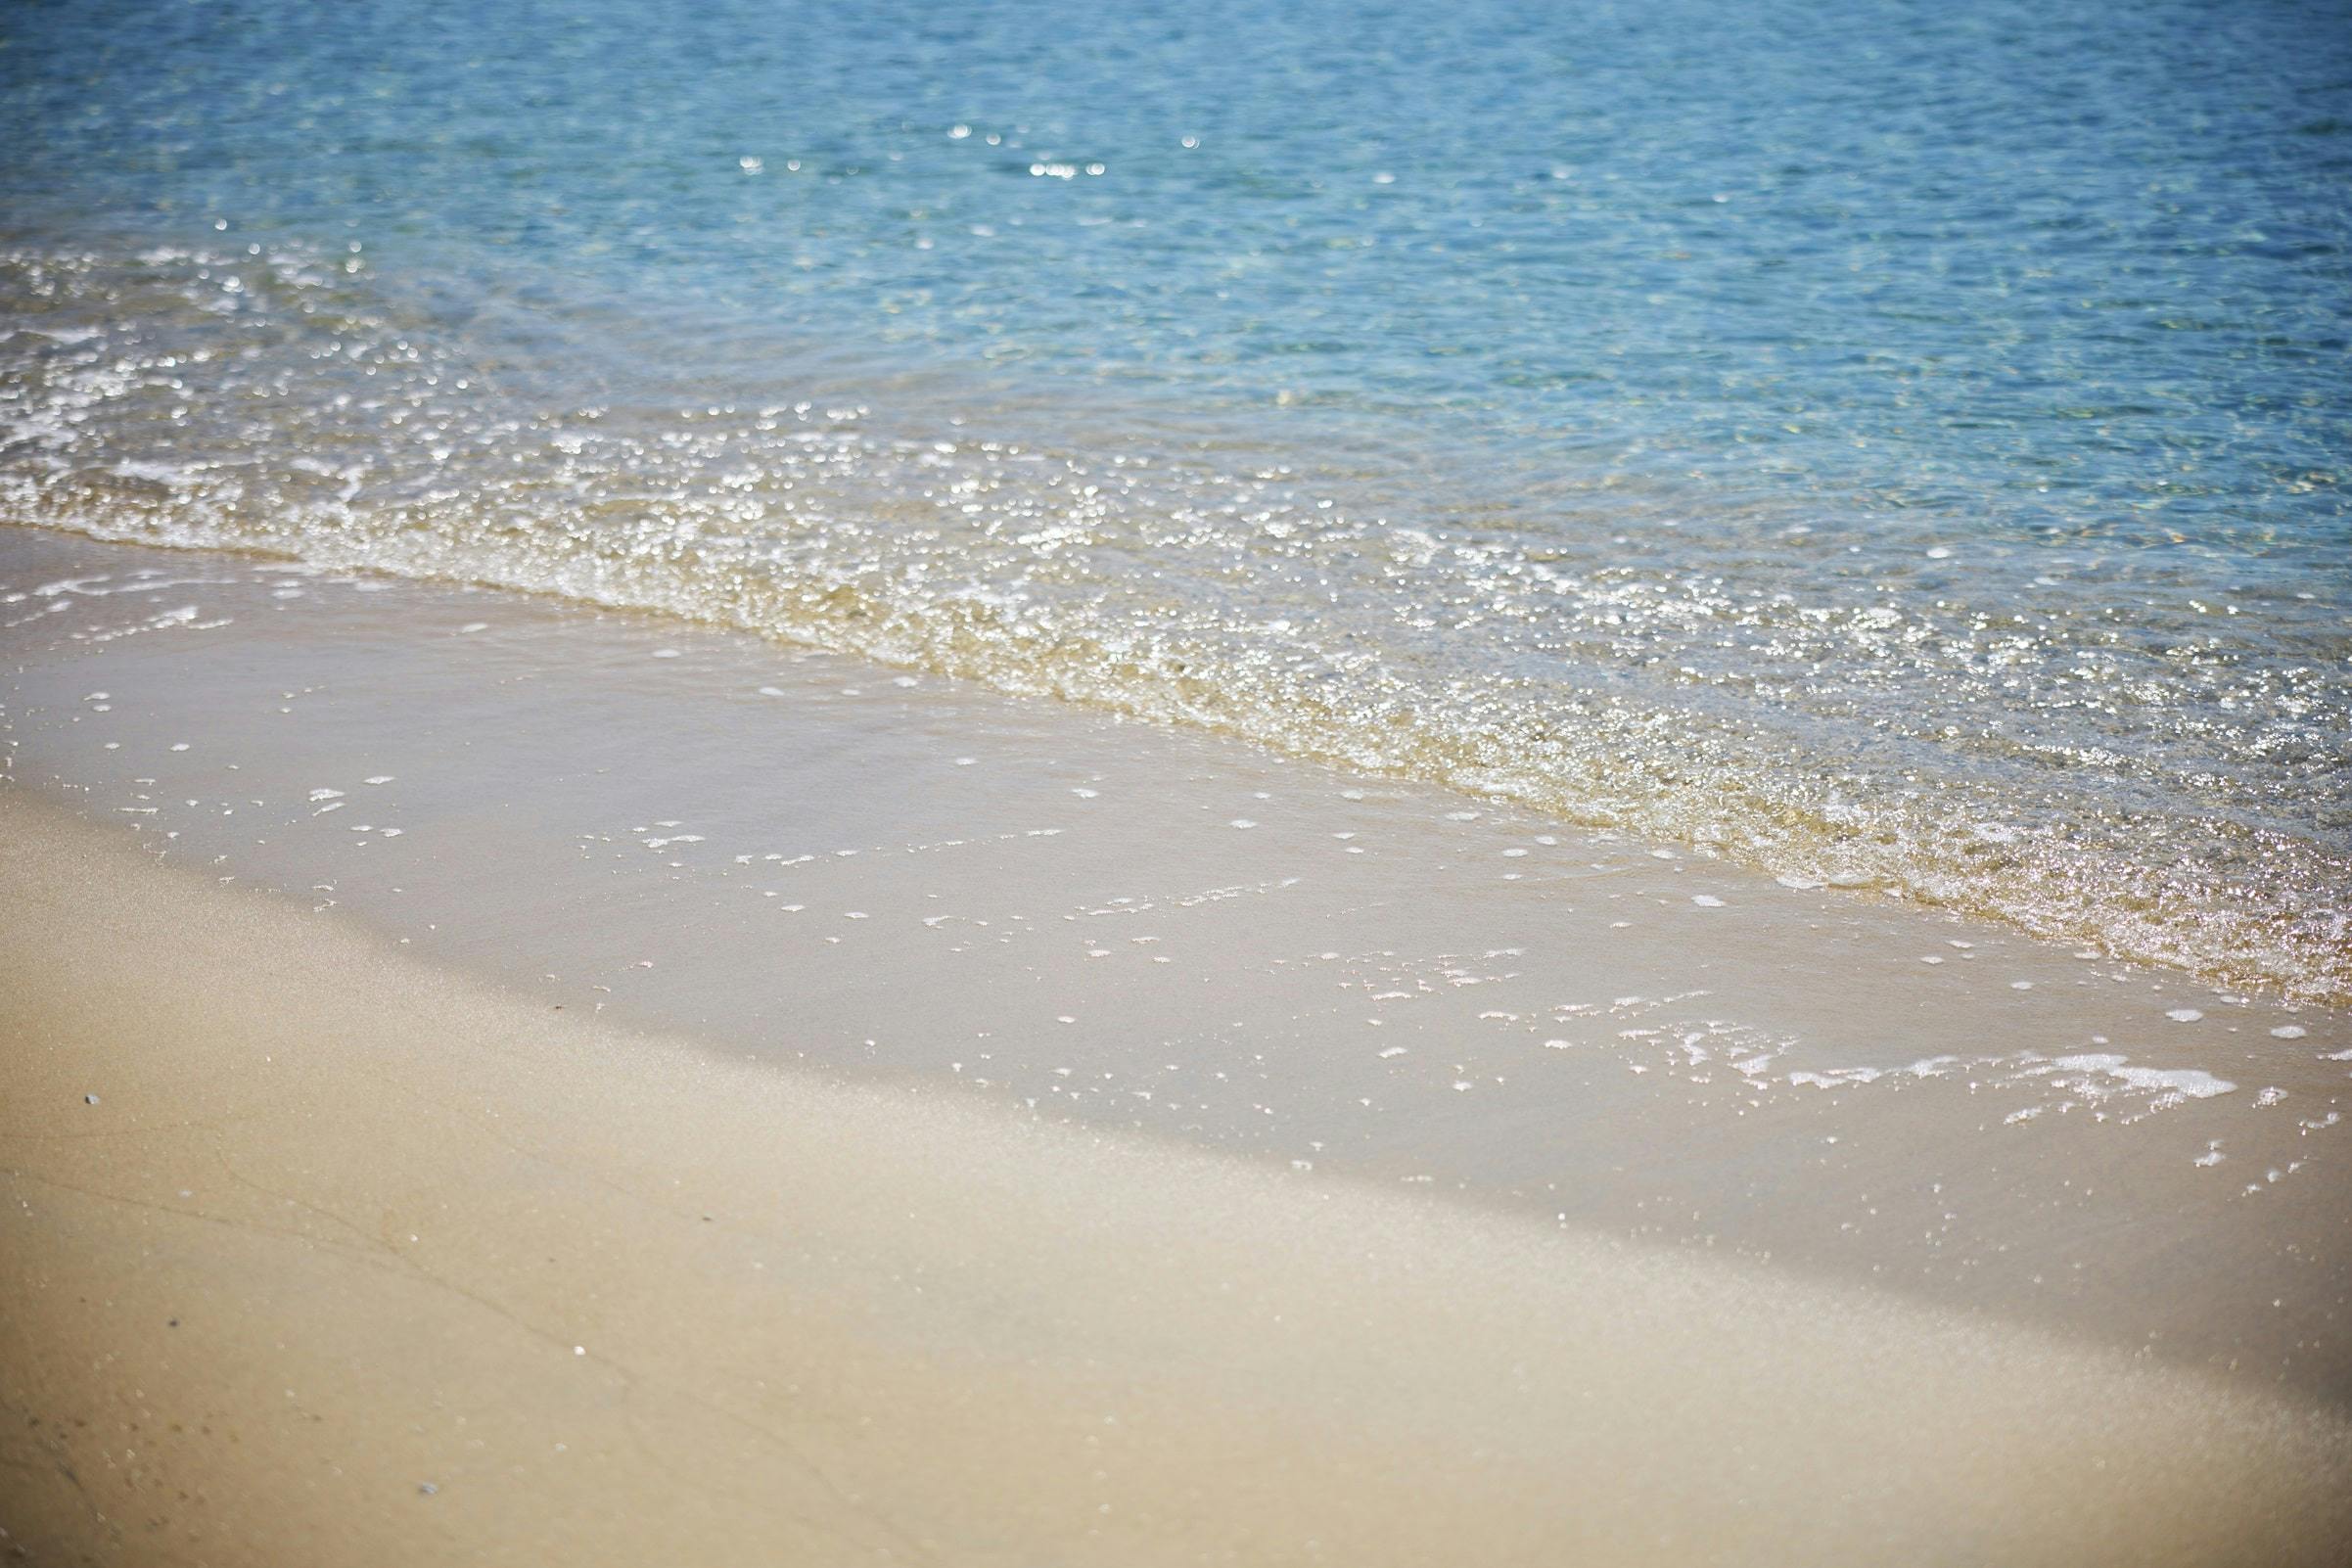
point(1901, 446)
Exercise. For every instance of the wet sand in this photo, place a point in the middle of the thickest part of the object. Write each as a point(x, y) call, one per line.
point(1116, 1146)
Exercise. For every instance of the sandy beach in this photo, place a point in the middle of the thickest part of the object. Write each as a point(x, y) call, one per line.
point(507, 1185)
point(1059, 785)
point(1075, 786)
point(350, 1262)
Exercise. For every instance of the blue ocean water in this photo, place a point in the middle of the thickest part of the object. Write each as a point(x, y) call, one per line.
point(1898, 444)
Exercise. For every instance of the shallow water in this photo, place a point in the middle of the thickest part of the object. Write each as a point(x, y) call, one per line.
point(1900, 448)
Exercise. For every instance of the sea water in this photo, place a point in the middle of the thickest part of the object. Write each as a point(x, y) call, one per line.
point(1901, 446)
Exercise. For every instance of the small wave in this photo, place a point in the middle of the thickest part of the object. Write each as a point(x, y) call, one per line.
point(1827, 704)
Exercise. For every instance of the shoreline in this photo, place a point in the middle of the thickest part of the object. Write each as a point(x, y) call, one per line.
point(1117, 1145)
point(803, 860)
point(308, 1256)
